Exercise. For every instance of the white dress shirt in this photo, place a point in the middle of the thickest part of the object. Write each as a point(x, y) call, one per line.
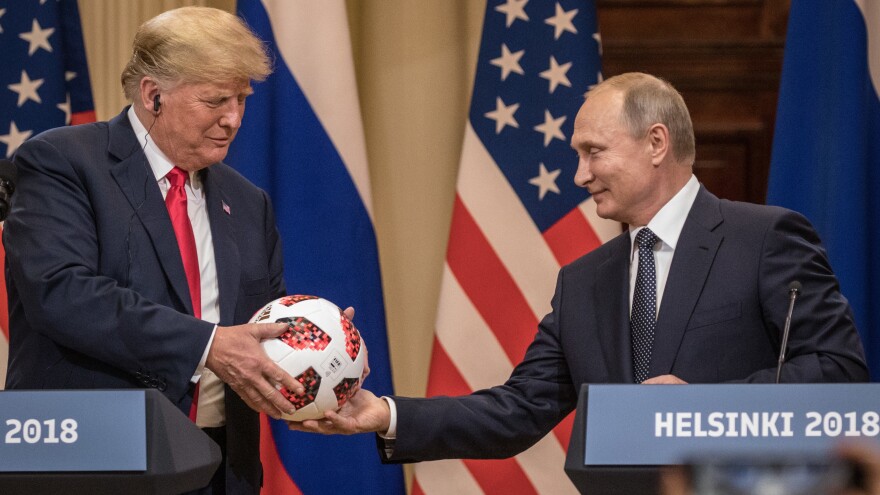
point(211, 408)
point(666, 225)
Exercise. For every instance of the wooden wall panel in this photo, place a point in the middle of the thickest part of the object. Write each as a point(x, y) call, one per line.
point(725, 56)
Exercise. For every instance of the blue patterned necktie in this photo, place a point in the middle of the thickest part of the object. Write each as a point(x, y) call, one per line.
point(643, 316)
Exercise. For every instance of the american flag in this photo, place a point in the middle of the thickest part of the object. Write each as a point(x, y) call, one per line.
point(44, 83)
point(517, 218)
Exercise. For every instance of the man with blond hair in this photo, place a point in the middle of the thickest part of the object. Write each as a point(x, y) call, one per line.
point(135, 256)
point(696, 291)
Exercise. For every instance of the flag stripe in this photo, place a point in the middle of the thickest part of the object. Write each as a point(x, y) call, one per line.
point(450, 382)
point(275, 476)
point(500, 476)
point(487, 283)
point(77, 118)
point(563, 431)
point(825, 147)
point(543, 464)
point(479, 356)
point(570, 237)
point(447, 477)
point(475, 361)
point(303, 23)
point(296, 143)
point(506, 223)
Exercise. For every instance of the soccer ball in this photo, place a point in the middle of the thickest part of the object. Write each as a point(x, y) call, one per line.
point(321, 349)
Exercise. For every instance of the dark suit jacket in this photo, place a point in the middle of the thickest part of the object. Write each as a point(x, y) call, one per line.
point(720, 320)
point(97, 292)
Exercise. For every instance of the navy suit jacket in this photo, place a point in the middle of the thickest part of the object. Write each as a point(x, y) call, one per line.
point(98, 296)
point(720, 320)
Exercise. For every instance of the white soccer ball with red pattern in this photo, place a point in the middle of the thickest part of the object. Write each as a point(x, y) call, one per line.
point(321, 349)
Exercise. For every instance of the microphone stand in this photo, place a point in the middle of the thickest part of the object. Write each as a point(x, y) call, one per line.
point(793, 290)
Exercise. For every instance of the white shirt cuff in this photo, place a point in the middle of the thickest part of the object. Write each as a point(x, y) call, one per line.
point(391, 434)
point(198, 374)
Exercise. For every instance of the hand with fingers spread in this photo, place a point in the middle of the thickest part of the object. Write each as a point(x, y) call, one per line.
point(363, 413)
point(237, 358)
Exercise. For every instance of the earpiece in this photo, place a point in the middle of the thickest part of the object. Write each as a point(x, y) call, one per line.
point(156, 103)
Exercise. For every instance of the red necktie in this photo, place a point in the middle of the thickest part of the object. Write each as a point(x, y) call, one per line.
point(175, 201)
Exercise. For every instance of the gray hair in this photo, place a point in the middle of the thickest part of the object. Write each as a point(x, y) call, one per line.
point(649, 100)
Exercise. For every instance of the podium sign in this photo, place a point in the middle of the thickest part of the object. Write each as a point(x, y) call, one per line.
point(54, 431)
point(649, 425)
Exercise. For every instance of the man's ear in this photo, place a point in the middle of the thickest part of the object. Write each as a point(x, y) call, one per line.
point(658, 138)
point(149, 93)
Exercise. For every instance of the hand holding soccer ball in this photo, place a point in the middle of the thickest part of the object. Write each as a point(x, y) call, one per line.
point(321, 349)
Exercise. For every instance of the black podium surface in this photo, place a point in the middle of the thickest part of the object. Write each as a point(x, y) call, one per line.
point(179, 457)
point(602, 480)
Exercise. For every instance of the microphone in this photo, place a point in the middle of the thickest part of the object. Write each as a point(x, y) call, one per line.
point(8, 175)
point(794, 290)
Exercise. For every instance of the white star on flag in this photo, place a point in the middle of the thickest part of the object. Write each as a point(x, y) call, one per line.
point(503, 115)
point(557, 74)
point(65, 107)
point(514, 9)
point(38, 38)
point(14, 139)
point(598, 38)
point(561, 22)
point(546, 181)
point(2, 11)
point(69, 75)
point(509, 62)
point(27, 89)
point(552, 128)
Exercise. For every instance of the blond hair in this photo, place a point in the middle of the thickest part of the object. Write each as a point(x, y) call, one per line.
point(194, 45)
point(649, 100)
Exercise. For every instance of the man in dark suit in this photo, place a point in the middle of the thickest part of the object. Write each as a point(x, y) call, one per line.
point(695, 291)
point(134, 255)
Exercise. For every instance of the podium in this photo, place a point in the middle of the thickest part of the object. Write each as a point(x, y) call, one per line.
point(100, 442)
point(624, 434)
point(601, 480)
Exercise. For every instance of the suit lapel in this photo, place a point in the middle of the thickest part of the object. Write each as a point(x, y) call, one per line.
point(136, 181)
point(226, 253)
point(611, 296)
point(694, 254)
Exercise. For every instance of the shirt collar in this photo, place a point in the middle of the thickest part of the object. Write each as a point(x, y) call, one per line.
point(159, 162)
point(669, 221)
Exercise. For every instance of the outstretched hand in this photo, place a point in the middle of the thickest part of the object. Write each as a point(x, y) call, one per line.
point(363, 413)
point(238, 359)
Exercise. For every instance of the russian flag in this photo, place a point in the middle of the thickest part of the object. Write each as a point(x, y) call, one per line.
point(826, 148)
point(302, 141)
